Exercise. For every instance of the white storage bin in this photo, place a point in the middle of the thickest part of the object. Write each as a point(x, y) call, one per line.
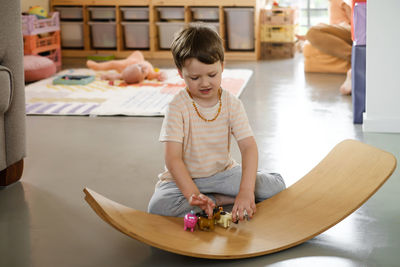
point(135, 13)
point(103, 34)
point(166, 32)
point(72, 34)
point(70, 12)
point(171, 13)
point(240, 26)
point(136, 34)
point(205, 13)
point(102, 13)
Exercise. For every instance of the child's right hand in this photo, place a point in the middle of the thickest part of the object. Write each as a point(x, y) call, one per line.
point(204, 202)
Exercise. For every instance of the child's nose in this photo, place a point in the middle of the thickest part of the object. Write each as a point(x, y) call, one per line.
point(205, 82)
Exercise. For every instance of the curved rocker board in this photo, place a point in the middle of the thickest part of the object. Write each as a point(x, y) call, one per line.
point(350, 174)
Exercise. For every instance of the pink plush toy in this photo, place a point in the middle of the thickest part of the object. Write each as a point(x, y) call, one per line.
point(133, 69)
point(190, 221)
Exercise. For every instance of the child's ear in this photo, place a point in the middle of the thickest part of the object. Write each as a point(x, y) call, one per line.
point(222, 66)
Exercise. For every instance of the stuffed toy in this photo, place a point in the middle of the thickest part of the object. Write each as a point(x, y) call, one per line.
point(133, 69)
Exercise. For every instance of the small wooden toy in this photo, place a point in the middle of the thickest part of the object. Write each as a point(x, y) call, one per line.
point(205, 223)
point(190, 221)
point(225, 218)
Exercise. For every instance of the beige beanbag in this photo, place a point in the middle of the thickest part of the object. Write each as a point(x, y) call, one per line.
point(316, 61)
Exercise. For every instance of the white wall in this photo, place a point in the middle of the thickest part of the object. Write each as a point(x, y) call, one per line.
point(26, 4)
point(383, 67)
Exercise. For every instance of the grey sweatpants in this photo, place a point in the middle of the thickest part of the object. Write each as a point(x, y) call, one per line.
point(168, 199)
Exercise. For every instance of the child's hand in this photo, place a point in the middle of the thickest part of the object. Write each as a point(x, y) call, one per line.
point(244, 204)
point(204, 202)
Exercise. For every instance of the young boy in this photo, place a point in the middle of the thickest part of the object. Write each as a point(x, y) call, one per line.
point(198, 125)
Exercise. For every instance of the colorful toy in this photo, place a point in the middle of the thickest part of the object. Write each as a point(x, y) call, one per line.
point(190, 221)
point(74, 79)
point(205, 223)
point(38, 11)
point(225, 218)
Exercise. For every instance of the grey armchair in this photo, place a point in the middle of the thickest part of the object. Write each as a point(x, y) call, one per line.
point(12, 94)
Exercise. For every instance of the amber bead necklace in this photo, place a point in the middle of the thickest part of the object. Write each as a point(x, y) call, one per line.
point(197, 110)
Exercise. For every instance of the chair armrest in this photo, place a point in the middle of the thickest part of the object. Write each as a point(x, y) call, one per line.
point(6, 85)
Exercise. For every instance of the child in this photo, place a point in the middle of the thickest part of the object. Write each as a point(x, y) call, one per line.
point(200, 172)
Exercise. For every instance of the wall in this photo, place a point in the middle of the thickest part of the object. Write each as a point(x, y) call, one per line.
point(25, 4)
point(383, 61)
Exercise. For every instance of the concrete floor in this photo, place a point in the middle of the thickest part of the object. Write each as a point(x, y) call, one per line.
point(297, 118)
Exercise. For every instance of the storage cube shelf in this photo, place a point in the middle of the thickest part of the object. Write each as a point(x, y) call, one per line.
point(240, 28)
point(166, 31)
point(279, 16)
point(136, 34)
point(278, 28)
point(205, 13)
point(277, 50)
point(103, 34)
point(102, 13)
point(72, 34)
point(135, 13)
point(171, 13)
point(42, 37)
point(142, 24)
point(35, 44)
point(278, 33)
point(31, 25)
point(70, 13)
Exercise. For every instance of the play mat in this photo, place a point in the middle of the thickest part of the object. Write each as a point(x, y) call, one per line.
point(102, 98)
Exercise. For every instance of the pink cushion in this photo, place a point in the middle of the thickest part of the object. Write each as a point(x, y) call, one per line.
point(38, 68)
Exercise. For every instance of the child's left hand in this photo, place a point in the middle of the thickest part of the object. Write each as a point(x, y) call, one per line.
point(244, 203)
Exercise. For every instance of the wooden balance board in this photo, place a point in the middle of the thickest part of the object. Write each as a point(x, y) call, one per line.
point(350, 174)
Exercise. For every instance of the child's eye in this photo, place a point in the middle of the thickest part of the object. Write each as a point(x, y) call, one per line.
point(212, 75)
point(194, 78)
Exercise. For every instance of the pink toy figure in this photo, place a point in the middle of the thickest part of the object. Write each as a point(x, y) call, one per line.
point(190, 221)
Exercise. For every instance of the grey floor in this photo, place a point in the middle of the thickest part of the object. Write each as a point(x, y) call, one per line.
point(297, 118)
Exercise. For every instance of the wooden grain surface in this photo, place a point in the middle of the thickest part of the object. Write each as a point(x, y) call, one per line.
point(350, 174)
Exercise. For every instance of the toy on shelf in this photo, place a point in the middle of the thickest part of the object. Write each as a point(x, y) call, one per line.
point(38, 11)
point(74, 79)
point(190, 221)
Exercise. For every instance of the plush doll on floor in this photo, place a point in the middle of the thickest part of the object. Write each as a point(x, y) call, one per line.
point(133, 69)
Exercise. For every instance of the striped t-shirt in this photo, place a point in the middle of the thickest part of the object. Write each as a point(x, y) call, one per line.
point(206, 145)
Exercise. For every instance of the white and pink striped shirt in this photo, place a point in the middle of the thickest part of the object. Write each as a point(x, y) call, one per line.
point(206, 145)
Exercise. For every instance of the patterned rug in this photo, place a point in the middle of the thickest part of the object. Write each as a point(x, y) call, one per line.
point(101, 98)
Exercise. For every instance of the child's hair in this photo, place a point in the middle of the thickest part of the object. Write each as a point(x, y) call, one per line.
point(197, 41)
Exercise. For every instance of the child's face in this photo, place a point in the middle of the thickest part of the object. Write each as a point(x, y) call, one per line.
point(202, 80)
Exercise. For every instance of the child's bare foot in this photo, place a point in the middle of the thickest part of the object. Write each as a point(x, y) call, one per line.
point(345, 88)
point(221, 200)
